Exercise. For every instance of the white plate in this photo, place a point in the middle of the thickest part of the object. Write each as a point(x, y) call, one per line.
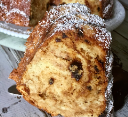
point(118, 16)
point(18, 35)
point(13, 30)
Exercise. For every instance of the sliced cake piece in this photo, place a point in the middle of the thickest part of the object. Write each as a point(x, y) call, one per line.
point(65, 67)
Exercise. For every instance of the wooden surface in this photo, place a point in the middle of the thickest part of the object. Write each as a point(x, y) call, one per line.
point(120, 72)
point(120, 42)
point(12, 105)
point(120, 66)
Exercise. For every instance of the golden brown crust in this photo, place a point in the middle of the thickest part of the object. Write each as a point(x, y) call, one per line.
point(3, 10)
point(63, 69)
point(16, 12)
point(17, 19)
point(32, 45)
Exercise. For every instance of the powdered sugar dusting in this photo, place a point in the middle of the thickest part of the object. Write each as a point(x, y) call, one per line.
point(3, 6)
point(104, 36)
point(17, 11)
point(70, 16)
point(75, 10)
point(3, 10)
point(9, 10)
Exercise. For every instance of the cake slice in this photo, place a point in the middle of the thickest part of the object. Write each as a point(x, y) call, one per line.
point(65, 66)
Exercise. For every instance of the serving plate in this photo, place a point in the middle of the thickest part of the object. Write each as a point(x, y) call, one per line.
point(14, 37)
point(13, 30)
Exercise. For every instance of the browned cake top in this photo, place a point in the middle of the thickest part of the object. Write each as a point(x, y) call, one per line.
point(22, 12)
point(102, 8)
point(13, 9)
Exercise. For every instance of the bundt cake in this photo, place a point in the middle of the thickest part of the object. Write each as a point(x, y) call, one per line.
point(29, 12)
point(22, 12)
point(66, 67)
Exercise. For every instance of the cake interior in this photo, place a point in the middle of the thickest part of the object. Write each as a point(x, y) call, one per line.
point(37, 11)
